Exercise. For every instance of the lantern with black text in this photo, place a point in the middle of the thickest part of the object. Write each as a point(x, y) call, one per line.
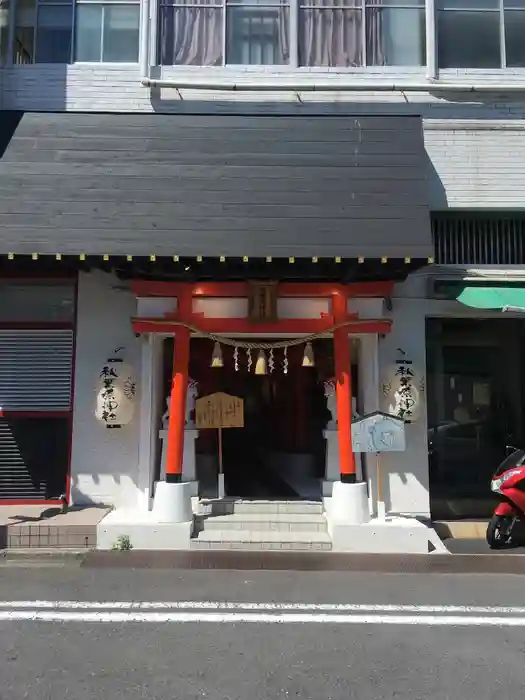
point(403, 389)
point(116, 394)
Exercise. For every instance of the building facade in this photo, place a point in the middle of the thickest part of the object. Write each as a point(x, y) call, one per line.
point(363, 153)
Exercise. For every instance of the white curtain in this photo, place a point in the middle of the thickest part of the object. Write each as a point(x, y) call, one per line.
point(330, 35)
point(191, 35)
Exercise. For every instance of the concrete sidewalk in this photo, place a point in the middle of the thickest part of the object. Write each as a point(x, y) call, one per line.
point(465, 529)
point(36, 526)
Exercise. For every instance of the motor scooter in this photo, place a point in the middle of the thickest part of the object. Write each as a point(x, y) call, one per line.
point(508, 483)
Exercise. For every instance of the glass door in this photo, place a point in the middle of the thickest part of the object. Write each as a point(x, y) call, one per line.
point(474, 410)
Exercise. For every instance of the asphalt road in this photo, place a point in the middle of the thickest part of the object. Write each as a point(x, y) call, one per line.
point(235, 635)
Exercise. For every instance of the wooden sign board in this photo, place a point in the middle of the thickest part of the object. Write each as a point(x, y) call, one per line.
point(219, 411)
point(262, 302)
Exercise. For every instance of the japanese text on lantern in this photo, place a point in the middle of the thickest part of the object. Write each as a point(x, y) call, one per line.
point(407, 395)
point(219, 411)
point(110, 404)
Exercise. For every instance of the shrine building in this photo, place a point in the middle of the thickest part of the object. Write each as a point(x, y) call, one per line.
point(258, 257)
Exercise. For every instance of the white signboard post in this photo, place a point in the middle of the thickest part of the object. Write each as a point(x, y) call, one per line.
point(379, 432)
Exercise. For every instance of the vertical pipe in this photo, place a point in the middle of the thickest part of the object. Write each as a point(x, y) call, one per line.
point(294, 32)
point(364, 52)
point(102, 25)
point(224, 37)
point(144, 40)
point(11, 28)
point(147, 427)
point(73, 49)
point(153, 32)
point(502, 44)
point(430, 30)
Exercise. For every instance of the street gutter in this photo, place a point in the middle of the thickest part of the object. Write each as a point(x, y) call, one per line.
point(457, 564)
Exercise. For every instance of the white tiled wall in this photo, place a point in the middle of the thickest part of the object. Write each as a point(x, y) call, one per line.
point(104, 463)
point(117, 88)
point(480, 165)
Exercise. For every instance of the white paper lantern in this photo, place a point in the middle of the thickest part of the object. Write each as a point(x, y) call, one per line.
point(403, 391)
point(115, 394)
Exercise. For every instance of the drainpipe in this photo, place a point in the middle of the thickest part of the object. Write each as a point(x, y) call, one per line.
point(319, 86)
point(144, 61)
point(430, 22)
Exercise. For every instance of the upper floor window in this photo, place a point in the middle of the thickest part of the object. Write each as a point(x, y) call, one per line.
point(4, 29)
point(481, 33)
point(62, 31)
point(330, 33)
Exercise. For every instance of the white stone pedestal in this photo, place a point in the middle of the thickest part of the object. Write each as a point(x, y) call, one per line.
point(172, 503)
point(189, 471)
point(348, 504)
point(332, 471)
point(394, 535)
point(352, 530)
point(168, 526)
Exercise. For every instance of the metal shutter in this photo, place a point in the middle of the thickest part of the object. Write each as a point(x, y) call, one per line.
point(35, 369)
point(34, 455)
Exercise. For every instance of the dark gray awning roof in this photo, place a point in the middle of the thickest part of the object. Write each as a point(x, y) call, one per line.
point(146, 184)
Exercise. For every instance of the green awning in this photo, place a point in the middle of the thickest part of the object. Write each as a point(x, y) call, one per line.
point(492, 297)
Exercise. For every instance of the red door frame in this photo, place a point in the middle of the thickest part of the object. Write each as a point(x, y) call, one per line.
point(181, 322)
point(48, 414)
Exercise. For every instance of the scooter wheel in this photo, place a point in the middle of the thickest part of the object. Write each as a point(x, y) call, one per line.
point(499, 531)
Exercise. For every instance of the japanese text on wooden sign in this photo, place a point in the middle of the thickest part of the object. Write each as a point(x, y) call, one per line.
point(219, 411)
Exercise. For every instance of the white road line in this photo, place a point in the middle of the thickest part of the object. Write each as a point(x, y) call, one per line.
point(259, 607)
point(259, 618)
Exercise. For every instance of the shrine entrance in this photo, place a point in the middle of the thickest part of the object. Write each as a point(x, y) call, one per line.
point(280, 452)
point(307, 345)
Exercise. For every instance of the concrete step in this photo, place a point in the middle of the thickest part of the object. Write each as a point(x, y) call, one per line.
point(260, 539)
point(270, 522)
point(230, 506)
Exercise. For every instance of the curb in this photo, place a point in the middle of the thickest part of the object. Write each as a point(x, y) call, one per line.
point(450, 564)
point(309, 561)
point(42, 556)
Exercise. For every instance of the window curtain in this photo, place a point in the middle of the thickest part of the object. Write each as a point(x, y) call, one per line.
point(376, 54)
point(191, 35)
point(330, 36)
point(283, 36)
point(4, 29)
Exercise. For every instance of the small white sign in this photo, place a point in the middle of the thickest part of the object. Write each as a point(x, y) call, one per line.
point(378, 432)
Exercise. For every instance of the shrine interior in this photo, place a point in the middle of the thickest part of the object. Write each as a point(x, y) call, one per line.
point(280, 453)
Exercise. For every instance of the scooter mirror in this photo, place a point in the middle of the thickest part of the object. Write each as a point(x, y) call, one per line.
point(509, 449)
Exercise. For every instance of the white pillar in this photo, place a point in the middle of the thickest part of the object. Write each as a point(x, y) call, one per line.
point(369, 390)
point(149, 410)
point(189, 469)
point(332, 470)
